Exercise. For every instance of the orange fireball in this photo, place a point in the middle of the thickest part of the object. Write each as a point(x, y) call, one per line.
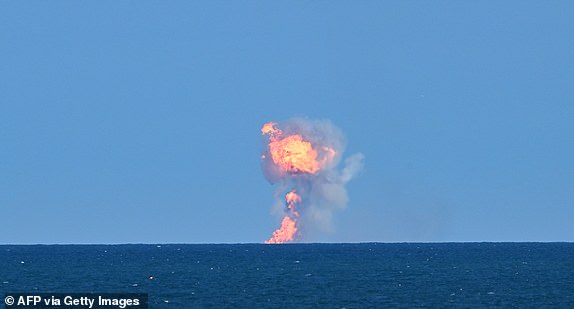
point(292, 153)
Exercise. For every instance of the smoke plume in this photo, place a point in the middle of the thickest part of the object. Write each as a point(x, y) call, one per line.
point(301, 158)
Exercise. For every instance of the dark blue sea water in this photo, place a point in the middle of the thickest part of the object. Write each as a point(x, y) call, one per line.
point(536, 275)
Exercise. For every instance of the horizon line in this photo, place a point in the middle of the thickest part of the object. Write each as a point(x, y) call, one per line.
point(294, 243)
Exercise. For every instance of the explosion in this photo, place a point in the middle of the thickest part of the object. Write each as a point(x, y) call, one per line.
point(302, 154)
point(288, 227)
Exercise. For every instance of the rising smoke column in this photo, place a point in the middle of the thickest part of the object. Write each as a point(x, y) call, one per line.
point(301, 158)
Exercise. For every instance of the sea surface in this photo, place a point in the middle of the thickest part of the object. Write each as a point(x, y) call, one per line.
point(369, 275)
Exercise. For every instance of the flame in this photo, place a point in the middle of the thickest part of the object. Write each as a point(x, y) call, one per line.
point(285, 233)
point(288, 229)
point(292, 198)
point(269, 128)
point(292, 153)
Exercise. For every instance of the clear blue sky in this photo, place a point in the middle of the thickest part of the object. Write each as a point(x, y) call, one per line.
point(138, 121)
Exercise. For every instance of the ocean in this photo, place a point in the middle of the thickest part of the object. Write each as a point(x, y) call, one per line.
point(367, 275)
